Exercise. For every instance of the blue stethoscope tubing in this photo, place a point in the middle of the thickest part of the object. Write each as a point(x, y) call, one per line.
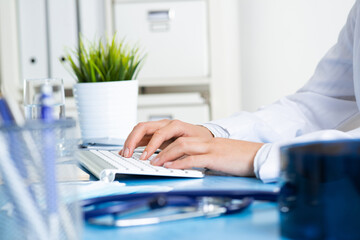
point(117, 204)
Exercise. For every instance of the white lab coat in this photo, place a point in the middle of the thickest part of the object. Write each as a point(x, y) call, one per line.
point(329, 99)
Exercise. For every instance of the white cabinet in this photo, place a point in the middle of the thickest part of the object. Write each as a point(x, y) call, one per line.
point(92, 21)
point(63, 36)
point(33, 38)
point(47, 28)
point(189, 107)
point(174, 35)
point(191, 45)
point(195, 114)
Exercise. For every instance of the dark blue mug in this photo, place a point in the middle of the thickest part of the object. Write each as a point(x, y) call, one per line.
point(320, 190)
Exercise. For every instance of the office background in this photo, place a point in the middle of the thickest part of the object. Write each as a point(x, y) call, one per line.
point(244, 53)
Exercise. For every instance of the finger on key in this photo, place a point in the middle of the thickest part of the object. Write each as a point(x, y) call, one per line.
point(138, 133)
point(159, 138)
point(143, 142)
point(184, 146)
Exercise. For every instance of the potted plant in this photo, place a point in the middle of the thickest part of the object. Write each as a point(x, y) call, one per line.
point(107, 89)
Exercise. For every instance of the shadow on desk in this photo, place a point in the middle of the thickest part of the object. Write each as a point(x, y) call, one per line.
point(260, 221)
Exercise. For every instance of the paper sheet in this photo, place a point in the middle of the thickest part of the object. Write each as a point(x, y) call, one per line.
point(92, 189)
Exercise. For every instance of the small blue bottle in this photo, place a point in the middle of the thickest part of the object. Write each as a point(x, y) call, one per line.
point(47, 102)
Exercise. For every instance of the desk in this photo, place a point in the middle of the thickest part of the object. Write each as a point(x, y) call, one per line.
point(260, 221)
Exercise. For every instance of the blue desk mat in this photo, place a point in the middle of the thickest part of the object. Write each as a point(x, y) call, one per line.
point(260, 221)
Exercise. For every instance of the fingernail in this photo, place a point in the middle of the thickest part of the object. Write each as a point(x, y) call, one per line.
point(143, 155)
point(126, 153)
point(168, 164)
point(154, 161)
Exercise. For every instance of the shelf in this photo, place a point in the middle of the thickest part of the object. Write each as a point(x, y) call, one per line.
point(164, 82)
point(170, 99)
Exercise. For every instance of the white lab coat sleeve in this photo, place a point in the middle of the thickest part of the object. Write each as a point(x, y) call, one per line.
point(216, 130)
point(325, 102)
point(267, 160)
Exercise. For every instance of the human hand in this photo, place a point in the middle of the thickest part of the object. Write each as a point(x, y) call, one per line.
point(159, 134)
point(226, 155)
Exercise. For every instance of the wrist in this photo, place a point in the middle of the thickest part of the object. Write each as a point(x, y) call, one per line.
point(206, 132)
point(216, 130)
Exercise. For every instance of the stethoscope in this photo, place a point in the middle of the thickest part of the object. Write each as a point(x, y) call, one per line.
point(123, 210)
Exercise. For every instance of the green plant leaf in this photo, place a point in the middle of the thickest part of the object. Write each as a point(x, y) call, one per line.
point(109, 60)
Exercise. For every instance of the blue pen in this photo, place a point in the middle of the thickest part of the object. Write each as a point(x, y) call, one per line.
point(5, 113)
point(7, 120)
point(13, 137)
point(46, 102)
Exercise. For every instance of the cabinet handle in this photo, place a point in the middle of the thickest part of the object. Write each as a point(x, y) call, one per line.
point(160, 15)
point(62, 59)
point(33, 60)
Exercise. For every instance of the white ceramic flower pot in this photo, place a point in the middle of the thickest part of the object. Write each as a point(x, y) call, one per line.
point(106, 109)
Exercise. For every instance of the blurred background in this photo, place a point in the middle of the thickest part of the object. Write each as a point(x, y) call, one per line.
point(206, 59)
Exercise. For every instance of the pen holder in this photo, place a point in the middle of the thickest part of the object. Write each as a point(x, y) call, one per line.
point(32, 203)
point(320, 190)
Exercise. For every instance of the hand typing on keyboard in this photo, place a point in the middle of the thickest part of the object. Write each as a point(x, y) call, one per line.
point(106, 165)
point(159, 134)
point(186, 146)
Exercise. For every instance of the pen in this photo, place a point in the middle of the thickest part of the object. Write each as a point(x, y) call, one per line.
point(8, 120)
point(56, 211)
point(49, 160)
point(5, 113)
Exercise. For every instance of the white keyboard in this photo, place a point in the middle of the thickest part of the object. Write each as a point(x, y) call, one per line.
point(106, 164)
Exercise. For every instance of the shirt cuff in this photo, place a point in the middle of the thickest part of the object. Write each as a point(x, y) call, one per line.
point(267, 159)
point(267, 163)
point(216, 130)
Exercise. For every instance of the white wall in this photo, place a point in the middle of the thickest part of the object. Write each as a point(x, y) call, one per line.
point(282, 42)
point(225, 59)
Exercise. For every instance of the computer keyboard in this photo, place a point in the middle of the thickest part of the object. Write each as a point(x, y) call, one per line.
point(105, 165)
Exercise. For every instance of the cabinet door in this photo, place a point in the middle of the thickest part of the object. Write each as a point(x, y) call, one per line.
point(192, 114)
point(92, 19)
point(172, 33)
point(32, 39)
point(63, 35)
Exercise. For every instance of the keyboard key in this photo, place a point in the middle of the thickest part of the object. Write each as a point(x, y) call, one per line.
point(100, 161)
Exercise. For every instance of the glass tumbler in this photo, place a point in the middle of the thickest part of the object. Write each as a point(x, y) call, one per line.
point(32, 95)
